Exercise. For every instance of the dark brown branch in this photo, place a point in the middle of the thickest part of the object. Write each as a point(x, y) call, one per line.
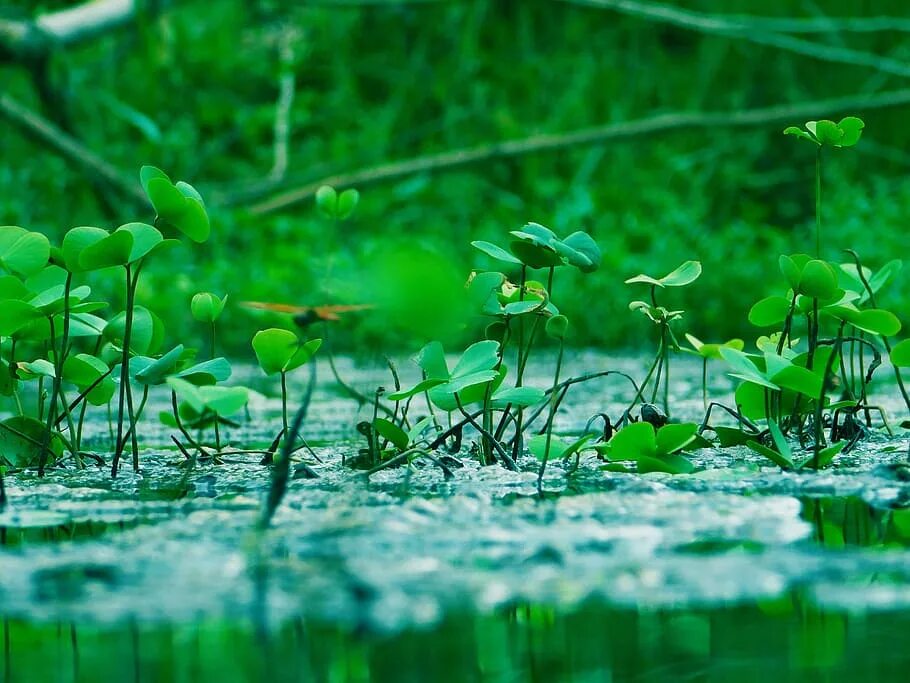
point(69, 148)
point(537, 144)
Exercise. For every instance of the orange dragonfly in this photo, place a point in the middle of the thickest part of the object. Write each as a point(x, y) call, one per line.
point(307, 315)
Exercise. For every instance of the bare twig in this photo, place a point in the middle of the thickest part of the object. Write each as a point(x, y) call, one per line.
point(28, 39)
point(538, 144)
point(779, 24)
point(733, 28)
point(69, 148)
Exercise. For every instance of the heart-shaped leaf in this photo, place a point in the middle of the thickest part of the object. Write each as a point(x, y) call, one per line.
point(107, 252)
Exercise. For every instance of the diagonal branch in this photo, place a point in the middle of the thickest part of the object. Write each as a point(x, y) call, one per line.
point(597, 135)
point(736, 28)
point(69, 148)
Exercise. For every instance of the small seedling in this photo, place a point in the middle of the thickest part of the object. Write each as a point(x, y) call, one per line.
point(684, 275)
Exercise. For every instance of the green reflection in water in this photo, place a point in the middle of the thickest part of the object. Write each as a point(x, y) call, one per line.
point(781, 641)
point(850, 521)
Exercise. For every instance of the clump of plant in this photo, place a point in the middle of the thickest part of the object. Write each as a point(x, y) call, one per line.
point(788, 386)
point(477, 392)
point(50, 333)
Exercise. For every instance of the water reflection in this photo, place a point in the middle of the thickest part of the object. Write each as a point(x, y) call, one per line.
point(785, 639)
point(845, 521)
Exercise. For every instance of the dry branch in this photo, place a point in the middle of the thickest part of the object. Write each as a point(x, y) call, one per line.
point(537, 144)
point(30, 39)
point(69, 148)
point(718, 24)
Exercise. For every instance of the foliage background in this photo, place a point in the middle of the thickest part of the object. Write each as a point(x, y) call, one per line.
point(193, 90)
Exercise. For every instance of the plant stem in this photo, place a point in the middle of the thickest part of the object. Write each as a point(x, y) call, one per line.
point(885, 340)
point(818, 202)
point(284, 402)
point(506, 458)
point(124, 372)
point(552, 414)
point(52, 408)
point(704, 383)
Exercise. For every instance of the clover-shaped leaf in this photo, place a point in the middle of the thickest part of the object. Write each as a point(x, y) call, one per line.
point(334, 205)
point(179, 205)
point(845, 133)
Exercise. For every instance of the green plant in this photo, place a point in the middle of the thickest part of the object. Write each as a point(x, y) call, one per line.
point(845, 133)
point(684, 275)
point(651, 449)
point(281, 351)
point(207, 308)
point(709, 352)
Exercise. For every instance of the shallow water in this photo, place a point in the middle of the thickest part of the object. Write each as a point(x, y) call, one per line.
point(475, 576)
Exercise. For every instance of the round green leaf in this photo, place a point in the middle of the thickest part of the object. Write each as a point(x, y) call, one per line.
point(274, 348)
point(347, 202)
point(113, 250)
point(818, 280)
point(327, 201)
point(188, 190)
point(584, 245)
point(148, 173)
point(495, 252)
point(827, 133)
point(900, 354)
point(224, 401)
point(207, 372)
point(686, 274)
point(14, 315)
point(303, 354)
point(20, 439)
point(535, 255)
point(146, 335)
point(194, 221)
point(145, 239)
point(76, 241)
point(21, 251)
point(790, 270)
point(851, 128)
point(674, 437)
point(633, 442)
point(769, 312)
point(392, 433)
point(557, 326)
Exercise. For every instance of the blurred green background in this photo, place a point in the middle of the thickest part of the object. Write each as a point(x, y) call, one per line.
point(195, 88)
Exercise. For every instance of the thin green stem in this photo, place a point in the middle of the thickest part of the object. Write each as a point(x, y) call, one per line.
point(553, 405)
point(818, 202)
point(284, 402)
point(120, 442)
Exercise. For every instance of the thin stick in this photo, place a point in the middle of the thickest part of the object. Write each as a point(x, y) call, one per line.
point(68, 147)
point(597, 135)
